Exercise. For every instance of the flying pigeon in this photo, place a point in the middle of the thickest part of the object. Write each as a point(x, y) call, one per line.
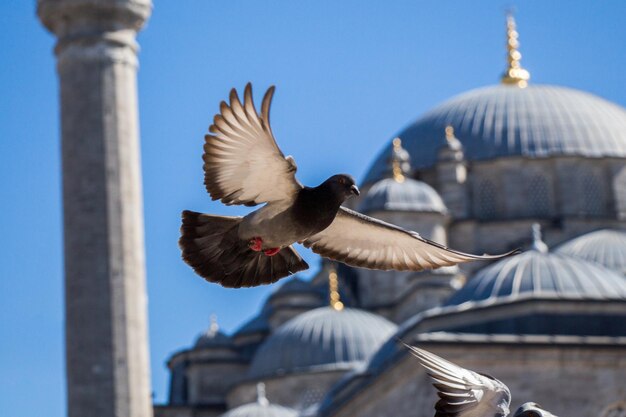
point(243, 165)
point(465, 393)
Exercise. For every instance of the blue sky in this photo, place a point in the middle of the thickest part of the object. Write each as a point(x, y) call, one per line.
point(349, 75)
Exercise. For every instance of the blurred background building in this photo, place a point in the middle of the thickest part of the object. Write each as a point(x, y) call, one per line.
point(512, 165)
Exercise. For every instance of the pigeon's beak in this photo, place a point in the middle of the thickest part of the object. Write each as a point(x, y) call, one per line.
point(355, 190)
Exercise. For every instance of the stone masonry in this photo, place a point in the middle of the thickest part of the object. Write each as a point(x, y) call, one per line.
point(105, 315)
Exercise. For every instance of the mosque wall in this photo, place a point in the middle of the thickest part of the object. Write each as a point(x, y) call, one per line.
point(400, 295)
point(168, 411)
point(551, 188)
point(297, 391)
point(209, 382)
point(569, 196)
point(618, 185)
point(182, 411)
point(451, 184)
point(423, 293)
point(573, 381)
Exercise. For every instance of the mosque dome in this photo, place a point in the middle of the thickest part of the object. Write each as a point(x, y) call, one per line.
point(213, 337)
point(400, 192)
point(605, 247)
point(409, 195)
point(540, 274)
point(261, 408)
point(323, 338)
point(503, 120)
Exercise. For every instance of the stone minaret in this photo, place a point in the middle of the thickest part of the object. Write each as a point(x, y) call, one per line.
point(105, 296)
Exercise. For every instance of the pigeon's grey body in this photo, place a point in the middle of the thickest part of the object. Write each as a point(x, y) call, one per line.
point(465, 393)
point(275, 222)
point(283, 223)
point(243, 165)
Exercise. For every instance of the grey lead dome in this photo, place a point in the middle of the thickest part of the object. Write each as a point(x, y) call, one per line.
point(409, 195)
point(499, 121)
point(542, 275)
point(323, 338)
point(605, 247)
point(213, 339)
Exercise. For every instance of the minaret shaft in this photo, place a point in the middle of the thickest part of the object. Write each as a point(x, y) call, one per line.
point(105, 315)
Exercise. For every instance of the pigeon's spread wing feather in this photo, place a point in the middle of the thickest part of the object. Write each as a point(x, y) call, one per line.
point(463, 393)
point(242, 162)
point(362, 241)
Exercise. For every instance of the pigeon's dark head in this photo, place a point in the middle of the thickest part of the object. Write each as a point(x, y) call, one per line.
point(343, 186)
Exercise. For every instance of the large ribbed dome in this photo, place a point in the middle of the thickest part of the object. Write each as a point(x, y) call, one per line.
point(323, 338)
point(501, 120)
point(539, 274)
point(605, 247)
point(408, 195)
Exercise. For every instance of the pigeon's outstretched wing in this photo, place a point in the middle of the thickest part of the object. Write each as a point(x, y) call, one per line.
point(463, 393)
point(362, 241)
point(242, 162)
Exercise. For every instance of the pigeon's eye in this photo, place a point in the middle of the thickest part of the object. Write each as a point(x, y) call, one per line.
point(342, 181)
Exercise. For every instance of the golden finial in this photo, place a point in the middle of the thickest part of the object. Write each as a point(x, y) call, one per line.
point(396, 167)
point(333, 286)
point(514, 74)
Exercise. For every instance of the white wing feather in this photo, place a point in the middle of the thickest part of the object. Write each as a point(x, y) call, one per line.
point(462, 392)
point(242, 162)
point(361, 241)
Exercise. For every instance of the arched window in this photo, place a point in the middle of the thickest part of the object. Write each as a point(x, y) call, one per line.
point(486, 199)
point(617, 409)
point(592, 194)
point(539, 196)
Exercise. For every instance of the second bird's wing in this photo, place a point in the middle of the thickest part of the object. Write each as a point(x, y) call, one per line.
point(463, 393)
point(242, 162)
point(362, 241)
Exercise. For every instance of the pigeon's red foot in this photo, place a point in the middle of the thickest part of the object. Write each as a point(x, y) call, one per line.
point(255, 244)
point(271, 252)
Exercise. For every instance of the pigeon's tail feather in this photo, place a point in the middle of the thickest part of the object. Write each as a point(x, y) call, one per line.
point(212, 247)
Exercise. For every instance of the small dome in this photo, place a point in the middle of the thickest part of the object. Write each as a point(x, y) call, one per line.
point(605, 247)
point(213, 337)
point(539, 274)
point(217, 339)
point(500, 121)
point(409, 195)
point(323, 337)
point(260, 410)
